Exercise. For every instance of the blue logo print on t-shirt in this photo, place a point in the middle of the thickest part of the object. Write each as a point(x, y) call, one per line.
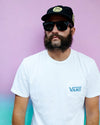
point(75, 89)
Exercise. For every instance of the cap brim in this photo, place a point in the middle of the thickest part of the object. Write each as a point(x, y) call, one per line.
point(47, 16)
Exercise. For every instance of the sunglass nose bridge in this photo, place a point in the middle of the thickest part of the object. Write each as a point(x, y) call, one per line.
point(55, 29)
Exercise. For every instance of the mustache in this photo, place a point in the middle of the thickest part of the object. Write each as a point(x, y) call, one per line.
point(55, 34)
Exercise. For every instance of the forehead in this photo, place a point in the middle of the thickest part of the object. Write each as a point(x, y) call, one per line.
point(54, 18)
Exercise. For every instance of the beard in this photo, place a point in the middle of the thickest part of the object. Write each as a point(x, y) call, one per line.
point(65, 42)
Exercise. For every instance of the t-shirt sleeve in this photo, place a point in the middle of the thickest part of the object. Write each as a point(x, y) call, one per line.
point(20, 85)
point(93, 81)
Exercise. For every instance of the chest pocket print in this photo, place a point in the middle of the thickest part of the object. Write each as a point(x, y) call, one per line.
point(75, 95)
point(75, 89)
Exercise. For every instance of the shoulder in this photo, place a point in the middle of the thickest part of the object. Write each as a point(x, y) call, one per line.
point(83, 58)
point(34, 58)
point(31, 63)
point(85, 62)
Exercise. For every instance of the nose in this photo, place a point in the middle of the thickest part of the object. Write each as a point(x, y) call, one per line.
point(55, 29)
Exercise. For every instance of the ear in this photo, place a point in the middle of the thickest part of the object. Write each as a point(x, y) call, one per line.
point(73, 30)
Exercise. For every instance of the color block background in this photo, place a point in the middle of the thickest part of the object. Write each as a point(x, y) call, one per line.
point(21, 35)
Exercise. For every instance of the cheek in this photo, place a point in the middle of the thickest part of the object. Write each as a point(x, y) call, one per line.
point(48, 34)
point(67, 32)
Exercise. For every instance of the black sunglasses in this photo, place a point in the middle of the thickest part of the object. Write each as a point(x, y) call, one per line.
point(61, 25)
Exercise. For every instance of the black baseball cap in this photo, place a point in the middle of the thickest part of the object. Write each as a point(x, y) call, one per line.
point(64, 11)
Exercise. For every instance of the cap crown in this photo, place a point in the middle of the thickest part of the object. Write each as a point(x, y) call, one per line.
point(60, 10)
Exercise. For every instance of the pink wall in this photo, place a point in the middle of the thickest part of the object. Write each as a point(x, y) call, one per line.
point(21, 32)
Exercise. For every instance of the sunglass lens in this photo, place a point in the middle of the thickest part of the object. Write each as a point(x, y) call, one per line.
point(48, 26)
point(62, 26)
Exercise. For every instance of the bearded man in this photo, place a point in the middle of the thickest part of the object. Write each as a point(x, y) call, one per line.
point(60, 81)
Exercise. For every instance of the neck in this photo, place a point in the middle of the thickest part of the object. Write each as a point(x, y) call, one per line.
point(59, 55)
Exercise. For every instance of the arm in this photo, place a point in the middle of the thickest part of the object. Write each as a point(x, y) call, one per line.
point(92, 111)
point(19, 111)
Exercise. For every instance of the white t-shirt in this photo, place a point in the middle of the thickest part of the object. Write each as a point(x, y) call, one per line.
point(57, 88)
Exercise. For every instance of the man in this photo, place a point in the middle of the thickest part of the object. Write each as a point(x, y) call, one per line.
point(59, 80)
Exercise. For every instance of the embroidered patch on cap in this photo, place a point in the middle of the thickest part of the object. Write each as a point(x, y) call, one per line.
point(57, 9)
